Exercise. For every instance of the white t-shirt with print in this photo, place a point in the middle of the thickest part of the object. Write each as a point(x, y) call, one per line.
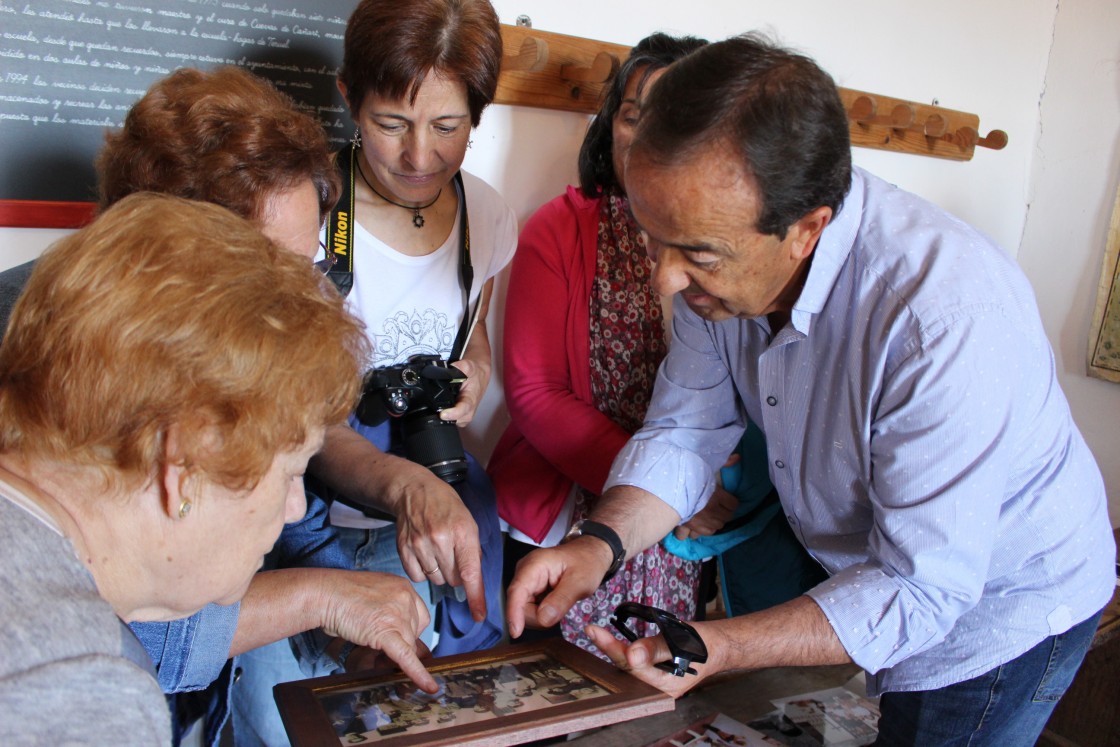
point(414, 305)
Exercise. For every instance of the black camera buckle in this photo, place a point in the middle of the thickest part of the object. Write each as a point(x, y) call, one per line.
point(685, 644)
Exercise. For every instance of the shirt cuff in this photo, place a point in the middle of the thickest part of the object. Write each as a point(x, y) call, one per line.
point(677, 476)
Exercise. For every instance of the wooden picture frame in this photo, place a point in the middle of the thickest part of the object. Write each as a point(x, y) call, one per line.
point(1104, 334)
point(503, 696)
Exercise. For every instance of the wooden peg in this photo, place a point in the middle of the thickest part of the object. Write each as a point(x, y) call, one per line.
point(863, 110)
point(965, 137)
point(935, 126)
point(530, 58)
point(996, 140)
point(902, 116)
point(602, 68)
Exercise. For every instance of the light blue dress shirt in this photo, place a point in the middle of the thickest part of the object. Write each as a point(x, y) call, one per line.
point(916, 433)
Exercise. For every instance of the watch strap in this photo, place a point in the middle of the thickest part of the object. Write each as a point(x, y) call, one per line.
point(608, 535)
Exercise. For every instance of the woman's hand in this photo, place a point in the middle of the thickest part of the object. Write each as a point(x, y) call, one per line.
point(379, 611)
point(475, 365)
point(364, 657)
point(477, 374)
point(437, 537)
point(718, 511)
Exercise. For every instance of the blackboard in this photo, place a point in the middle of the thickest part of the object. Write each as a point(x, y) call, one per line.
point(70, 69)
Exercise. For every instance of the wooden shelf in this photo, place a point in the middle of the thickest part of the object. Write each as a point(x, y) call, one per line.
point(556, 71)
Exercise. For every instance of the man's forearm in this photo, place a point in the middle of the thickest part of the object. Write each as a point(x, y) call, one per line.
point(640, 518)
point(795, 633)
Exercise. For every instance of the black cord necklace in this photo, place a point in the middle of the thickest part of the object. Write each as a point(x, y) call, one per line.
point(417, 219)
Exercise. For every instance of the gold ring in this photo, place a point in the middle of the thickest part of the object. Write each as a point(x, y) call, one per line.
point(434, 570)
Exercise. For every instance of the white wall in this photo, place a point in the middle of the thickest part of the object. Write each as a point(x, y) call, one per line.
point(1045, 198)
point(1073, 181)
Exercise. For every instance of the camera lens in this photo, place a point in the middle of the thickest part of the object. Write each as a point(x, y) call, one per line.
point(435, 444)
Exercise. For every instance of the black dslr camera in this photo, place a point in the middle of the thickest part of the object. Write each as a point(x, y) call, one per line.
point(416, 392)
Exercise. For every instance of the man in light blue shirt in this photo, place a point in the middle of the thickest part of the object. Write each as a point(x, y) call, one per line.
point(895, 360)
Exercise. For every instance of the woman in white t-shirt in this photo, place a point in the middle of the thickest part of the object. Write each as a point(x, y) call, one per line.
point(417, 77)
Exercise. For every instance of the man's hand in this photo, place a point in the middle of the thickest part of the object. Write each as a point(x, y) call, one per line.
point(638, 658)
point(794, 633)
point(380, 611)
point(549, 581)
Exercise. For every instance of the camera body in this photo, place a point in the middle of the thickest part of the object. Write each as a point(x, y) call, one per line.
point(416, 392)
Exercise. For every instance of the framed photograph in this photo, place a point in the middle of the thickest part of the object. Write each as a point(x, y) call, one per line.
point(1104, 336)
point(503, 696)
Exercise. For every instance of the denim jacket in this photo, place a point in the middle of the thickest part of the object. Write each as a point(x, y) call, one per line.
point(191, 654)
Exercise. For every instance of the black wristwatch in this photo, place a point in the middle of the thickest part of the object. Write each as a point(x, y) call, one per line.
point(608, 535)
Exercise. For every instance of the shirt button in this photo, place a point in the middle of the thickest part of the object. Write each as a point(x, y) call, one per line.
point(780, 464)
point(771, 401)
point(237, 674)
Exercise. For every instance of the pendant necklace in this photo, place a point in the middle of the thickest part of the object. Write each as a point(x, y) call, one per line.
point(417, 219)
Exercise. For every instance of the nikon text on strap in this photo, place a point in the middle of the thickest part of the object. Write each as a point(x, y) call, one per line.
point(340, 242)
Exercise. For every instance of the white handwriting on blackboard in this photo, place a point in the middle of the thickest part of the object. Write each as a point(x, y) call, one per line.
point(98, 56)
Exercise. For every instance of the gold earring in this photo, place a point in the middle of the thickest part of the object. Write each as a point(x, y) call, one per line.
point(184, 508)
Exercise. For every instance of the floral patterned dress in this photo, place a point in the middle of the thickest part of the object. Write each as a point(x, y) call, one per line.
point(627, 346)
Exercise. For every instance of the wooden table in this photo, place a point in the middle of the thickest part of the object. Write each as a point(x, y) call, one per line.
point(1086, 717)
point(742, 697)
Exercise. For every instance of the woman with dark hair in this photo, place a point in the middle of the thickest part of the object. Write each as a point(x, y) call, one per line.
point(417, 77)
point(584, 335)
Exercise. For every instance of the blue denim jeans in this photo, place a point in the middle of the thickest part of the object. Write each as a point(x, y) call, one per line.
point(1005, 707)
point(256, 721)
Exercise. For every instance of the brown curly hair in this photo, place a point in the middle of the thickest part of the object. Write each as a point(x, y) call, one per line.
point(224, 136)
point(169, 313)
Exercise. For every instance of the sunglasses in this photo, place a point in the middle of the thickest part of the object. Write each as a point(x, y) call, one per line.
point(330, 260)
point(685, 644)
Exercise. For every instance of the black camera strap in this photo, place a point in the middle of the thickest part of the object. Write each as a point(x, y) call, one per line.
point(340, 242)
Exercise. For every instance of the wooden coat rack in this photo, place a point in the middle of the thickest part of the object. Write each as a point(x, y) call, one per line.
point(555, 71)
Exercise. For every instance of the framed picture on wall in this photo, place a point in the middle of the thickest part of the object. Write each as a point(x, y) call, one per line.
point(503, 696)
point(1104, 337)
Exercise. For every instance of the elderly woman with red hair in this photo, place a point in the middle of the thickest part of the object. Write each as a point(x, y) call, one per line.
point(151, 449)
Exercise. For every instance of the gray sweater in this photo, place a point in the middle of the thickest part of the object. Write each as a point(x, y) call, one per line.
point(71, 673)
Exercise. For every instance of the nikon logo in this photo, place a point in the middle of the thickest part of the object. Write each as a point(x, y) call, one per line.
point(341, 231)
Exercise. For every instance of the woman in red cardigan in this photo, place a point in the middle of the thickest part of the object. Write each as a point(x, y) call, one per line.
point(584, 335)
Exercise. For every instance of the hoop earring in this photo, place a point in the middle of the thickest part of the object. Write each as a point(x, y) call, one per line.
point(356, 138)
point(184, 509)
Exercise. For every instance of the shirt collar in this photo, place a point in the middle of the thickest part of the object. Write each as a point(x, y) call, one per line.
point(833, 248)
